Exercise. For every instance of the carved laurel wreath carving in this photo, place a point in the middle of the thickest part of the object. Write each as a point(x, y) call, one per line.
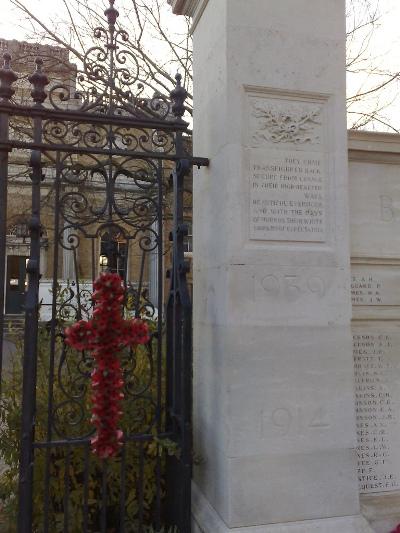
point(290, 122)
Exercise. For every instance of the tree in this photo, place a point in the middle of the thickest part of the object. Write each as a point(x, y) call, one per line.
point(163, 45)
point(372, 87)
point(159, 50)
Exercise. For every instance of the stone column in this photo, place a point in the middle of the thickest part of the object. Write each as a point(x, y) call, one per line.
point(68, 256)
point(153, 269)
point(274, 386)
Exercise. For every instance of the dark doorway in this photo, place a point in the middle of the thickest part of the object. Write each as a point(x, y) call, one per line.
point(16, 284)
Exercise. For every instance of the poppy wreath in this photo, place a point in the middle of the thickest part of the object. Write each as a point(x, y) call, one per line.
point(397, 530)
point(105, 335)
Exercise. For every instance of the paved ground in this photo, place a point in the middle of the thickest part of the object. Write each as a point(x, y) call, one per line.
point(8, 348)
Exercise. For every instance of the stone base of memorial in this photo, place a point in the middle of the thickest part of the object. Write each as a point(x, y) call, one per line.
point(382, 510)
point(207, 520)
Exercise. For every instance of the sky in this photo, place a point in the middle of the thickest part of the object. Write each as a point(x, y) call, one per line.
point(384, 48)
point(384, 53)
point(387, 37)
point(13, 28)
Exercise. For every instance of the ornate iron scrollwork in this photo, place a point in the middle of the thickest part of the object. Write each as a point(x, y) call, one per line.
point(110, 81)
point(102, 146)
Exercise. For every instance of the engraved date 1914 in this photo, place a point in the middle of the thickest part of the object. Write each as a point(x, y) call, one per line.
point(297, 420)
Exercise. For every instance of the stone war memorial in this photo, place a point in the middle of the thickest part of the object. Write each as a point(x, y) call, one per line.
point(296, 279)
point(260, 393)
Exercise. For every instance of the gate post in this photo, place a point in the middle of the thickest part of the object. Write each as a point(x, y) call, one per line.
point(7, 78)
point(179, 363)
point(25, 488)
point(3, 226)
point(274, 411)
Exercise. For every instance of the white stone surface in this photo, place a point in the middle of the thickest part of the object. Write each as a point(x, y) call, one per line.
point(68, 267)
point(375, 197)
point(375, 201)
point(274, 386)
point(206, 520)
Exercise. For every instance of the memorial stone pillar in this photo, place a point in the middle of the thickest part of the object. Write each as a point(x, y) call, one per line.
point(273, 371)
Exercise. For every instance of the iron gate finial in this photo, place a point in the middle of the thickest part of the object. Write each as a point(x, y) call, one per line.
point(7, 78)
point(111, 13)
point(178, 96)
point(39, 80)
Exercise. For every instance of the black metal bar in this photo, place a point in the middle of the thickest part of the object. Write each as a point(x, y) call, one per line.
point(85, 117)
point(159, 366)
point(179, 358)
point(66, 490)
point(51, 147)
point(53, 324)
point(184, 327)
point(103, 510)
point(141, 487)
point(86, 467)
point(142, 437)
point(25, 508)
point(170, 505)
point(3, 229)
point(122, 506)
point(78, 289)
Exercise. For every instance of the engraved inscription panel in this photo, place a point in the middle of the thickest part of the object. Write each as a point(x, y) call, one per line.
point(288, 196)
point(366, 289)
point(377, 377)
point(288, 171)
point(375, 285)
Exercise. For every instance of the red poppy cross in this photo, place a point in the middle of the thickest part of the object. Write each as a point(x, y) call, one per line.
point(105, 335)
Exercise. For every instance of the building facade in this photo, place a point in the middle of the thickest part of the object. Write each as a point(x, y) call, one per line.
point(100, 247)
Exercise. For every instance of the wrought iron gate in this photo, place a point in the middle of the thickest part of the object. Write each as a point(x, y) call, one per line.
point(99, 150)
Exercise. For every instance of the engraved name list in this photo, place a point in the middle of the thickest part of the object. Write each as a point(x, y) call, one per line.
point(378, 426)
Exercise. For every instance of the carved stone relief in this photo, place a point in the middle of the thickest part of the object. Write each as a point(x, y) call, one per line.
point(288, 174)
point(292, 123)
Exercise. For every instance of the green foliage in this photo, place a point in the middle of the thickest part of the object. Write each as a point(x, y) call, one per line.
point(71, 418)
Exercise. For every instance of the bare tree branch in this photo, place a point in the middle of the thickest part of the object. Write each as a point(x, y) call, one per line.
point(161, 51)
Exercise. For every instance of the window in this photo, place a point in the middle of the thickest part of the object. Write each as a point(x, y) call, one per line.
point(188, 240)
point(113, 253)
point(20, 229)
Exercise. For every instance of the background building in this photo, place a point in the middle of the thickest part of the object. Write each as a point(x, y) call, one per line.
point(110, 247)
